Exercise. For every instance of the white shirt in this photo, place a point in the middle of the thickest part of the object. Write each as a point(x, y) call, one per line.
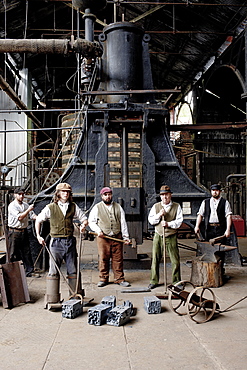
point(45, 214)
point(14, 210)
point(213, 206)
point(93, 221)
point(154, 219)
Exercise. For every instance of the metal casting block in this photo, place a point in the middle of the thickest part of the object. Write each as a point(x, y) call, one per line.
point(152, 304)
point(119, 315)
point(109, 300)
point(72, 308)
point(97, 315)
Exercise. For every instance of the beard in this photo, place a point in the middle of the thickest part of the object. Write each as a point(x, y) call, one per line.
point(107, 201)
point(216, 196)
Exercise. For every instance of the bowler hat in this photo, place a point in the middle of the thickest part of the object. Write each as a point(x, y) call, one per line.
point(104, 190)
point(165, 189)
point(215, 187)
point(64, 186)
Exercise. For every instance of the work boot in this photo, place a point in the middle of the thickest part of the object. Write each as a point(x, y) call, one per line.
point(152, 286)
point(102, 283)
point(124, 283)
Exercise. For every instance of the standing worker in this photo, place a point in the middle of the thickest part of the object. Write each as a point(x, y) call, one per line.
point(107, 218)
point(18, 212)
point(217, 215)
point(61, 213)
point(165, 214)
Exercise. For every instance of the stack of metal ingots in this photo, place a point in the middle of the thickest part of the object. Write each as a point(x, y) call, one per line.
point(107, 312)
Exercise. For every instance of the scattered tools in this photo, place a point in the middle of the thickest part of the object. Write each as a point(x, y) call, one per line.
point(13, 282)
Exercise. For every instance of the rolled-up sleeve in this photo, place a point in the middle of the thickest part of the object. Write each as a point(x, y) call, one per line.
point(79, 214)
point(124, 227)
point(93, 220)
point(153, 219)
point(44, 214)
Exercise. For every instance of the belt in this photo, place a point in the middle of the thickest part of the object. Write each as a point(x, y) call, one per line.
point(18, 230)
point(215, 224)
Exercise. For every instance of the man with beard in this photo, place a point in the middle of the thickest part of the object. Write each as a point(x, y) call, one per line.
point(18, 212)
point(217, 215)
point(107, 218)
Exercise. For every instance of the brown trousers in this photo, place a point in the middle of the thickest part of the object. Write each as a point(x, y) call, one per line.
point(110, 249)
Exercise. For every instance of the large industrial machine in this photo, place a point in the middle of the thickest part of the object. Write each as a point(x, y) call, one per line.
point(123, 140)
point(119, 130)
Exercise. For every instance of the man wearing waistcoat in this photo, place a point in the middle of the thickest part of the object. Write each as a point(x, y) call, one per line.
point(167, 217)
point(217, 215)
point(61, 213)
point(107, 218)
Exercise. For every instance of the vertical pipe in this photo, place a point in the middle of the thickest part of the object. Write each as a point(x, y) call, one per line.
point(77, 98)
point(89, 25)
point(5, 142)
point(5, 149)
point(86, 157)
point(32, 172)
point(246, 130)
point(115, 13)
point(198, 177)
point(125, 177)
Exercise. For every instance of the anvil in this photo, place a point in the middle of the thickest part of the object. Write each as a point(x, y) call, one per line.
point(210, 252)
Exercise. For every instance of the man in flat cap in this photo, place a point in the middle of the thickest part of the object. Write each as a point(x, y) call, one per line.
point(217, 215)
point(107, 218)
point(167, 217)
point(61, 213)
point(18, 213)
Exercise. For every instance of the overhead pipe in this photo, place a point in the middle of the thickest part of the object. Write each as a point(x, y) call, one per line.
point(40, 46)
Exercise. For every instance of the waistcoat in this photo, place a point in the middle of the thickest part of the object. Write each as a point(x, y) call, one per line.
point(109, 220)
point(220, 214)
point(169, 216)
point(61, 226)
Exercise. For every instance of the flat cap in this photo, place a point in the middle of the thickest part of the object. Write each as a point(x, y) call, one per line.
point(104, 190)
point(215, 187)
point(165, 189)
point(19, 191)
point(64, 186)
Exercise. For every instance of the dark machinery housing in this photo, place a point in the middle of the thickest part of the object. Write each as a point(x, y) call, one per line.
point(123, 139)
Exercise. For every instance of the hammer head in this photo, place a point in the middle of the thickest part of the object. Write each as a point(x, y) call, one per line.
point(213, 241)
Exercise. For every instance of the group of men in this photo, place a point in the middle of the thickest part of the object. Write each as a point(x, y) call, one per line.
point(107, 221)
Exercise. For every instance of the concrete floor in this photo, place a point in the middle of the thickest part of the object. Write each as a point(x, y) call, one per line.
point(35, 338)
